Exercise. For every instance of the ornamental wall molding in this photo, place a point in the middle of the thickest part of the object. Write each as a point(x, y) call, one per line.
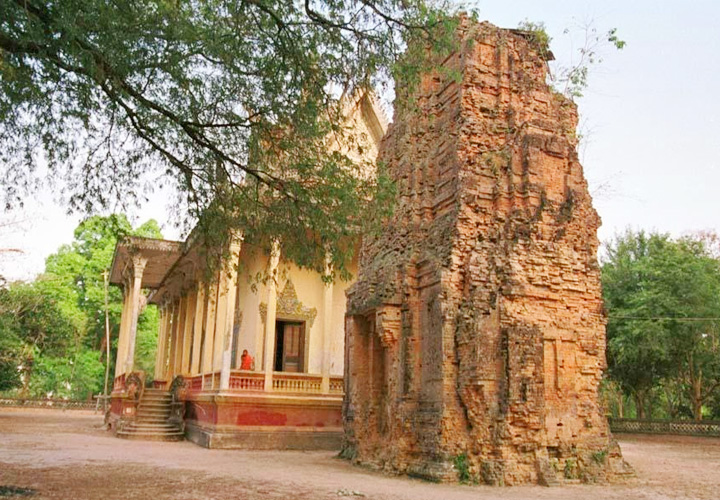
point(289, 307)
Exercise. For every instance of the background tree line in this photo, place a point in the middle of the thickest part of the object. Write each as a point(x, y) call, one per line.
point(662, 298)
point(52, 330)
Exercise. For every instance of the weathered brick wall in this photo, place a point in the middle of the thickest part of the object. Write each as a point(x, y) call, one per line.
point(476, 326)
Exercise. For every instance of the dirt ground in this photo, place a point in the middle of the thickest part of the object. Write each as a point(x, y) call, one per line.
point(67, 455)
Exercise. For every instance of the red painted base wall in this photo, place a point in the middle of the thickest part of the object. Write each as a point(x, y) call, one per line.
point(264, 421)
point(249, 412)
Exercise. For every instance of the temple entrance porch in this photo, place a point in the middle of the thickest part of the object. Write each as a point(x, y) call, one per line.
point(248, 364)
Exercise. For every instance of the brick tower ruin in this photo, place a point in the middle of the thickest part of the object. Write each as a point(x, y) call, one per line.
point(475, 334)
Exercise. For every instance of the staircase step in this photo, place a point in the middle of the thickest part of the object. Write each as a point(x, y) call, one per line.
point(163, 423)
point(153, 406)
point(151, 428)
point(158, 394)
point(154, 409)
point(152, 420)
point(144, 429)
point(152, 436)
point(152, 433)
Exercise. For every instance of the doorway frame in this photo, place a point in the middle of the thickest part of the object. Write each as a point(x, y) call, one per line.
point(305, 340)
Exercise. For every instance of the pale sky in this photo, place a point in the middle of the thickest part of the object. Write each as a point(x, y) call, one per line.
point(652, 109)
point(651, 118)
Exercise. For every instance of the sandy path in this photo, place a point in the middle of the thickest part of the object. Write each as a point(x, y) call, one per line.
point(67, 455)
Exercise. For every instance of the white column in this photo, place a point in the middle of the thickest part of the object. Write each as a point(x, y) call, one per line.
point(180, 336)
point(172, 339)
point(161, 343)
point(229, 320)
point(207, 359)
point(197, 337)
point(220, 313)
point(327, 324)
point(269, 350)
point(123, 332)
point(137, 274)
point(188, 332)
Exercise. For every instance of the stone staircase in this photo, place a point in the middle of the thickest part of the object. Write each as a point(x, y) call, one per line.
point(152, 422)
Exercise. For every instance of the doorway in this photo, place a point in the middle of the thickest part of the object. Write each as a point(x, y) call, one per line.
point(289, 346)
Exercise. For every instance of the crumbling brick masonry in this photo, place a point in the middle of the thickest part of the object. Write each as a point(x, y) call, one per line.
point(475, 335)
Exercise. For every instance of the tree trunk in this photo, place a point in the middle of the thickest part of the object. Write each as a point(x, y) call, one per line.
point(639, 406)
point(695, 388)
point(27, 373)
point(697, 399)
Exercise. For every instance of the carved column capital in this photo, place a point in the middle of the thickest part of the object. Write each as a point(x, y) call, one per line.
point(139, 263)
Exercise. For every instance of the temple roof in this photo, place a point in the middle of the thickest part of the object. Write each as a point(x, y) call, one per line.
point(161, 255)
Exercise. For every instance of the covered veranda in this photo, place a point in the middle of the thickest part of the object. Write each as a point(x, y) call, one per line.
point(199, 343)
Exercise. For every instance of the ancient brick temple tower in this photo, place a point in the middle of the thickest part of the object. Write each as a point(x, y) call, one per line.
point(475, 335)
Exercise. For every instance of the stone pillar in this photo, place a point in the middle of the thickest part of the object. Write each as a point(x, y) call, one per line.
point(188, 332)
point(167, 340)
point(228, 321)
point(327, 324)
point(220, 313)
point(207, 361)
point(200, 302)
point(139, 263)
point(172, 337)
point(180, 336)
point(123, 334)
point(269, 350)
point(161, 352)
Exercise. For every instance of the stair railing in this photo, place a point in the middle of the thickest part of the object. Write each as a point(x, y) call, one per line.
point(178, 389)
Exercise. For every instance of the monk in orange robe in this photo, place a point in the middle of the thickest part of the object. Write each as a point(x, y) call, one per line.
point(246, 361)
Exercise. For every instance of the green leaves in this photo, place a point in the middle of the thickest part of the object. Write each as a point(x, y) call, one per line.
point(663, 303)
point(229, 102)
point(571, 79)
point(613, 38)
point(52, 331)
point(540, 37)
point(30, 324)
